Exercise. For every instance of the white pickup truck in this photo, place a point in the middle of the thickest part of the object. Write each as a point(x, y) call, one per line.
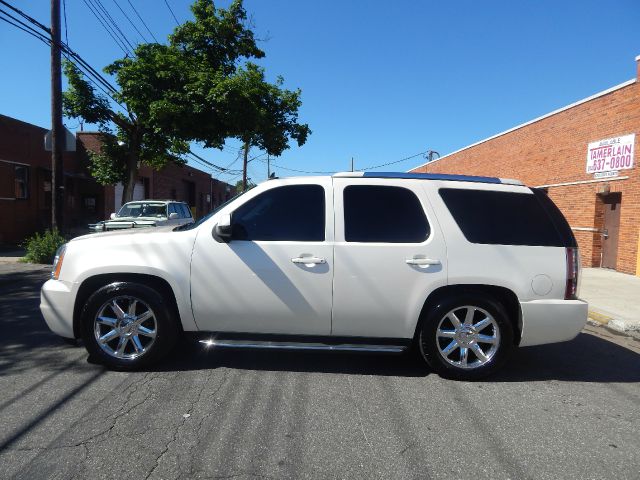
point(461, 268)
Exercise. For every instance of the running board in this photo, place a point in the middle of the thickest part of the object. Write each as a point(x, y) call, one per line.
point(345, 347)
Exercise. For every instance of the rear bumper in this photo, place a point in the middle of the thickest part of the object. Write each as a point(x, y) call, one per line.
point(550, 321)
point(56, 304)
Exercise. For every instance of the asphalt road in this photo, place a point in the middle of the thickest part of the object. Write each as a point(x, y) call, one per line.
point(559, 411)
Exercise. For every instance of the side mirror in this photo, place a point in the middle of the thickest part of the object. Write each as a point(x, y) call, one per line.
point(173, 216)
point(222, 231)
point(113, 216)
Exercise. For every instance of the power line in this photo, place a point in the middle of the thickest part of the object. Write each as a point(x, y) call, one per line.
point(143, 22)
point(27, 17)
point(118, 42)
point(357, 170)
point(66, 32)
point(114, 23)
point(129, 20)
point(85, 68)
point(24, 27)
point(296, 170)
point(173, 14)
point(392, 163)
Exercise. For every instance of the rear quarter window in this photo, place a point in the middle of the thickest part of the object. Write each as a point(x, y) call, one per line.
point(502, 218)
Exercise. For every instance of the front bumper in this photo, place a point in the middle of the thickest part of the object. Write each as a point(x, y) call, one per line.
point(551, 321)
point(56, 304)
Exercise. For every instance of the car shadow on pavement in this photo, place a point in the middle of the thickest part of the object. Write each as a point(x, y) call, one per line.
point(587, 358)
point(191, 355)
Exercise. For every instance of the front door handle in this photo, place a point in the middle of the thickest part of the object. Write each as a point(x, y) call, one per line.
point(309, 261)
point(422, 261)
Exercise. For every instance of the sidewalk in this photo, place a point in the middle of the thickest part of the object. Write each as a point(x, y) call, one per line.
point(11, 255)
point(614, 298)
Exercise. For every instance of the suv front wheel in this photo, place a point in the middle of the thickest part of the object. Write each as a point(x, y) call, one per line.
point(466, 338)
point(127, 325)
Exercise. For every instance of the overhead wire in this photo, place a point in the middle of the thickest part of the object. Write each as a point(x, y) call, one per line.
point(131, 22)
point(108, 30)
point(173, 14)
point(25, 28)
point(143, 22)
point(114, 23)
point(66, 31)
point(391, 163)
point(91, 74)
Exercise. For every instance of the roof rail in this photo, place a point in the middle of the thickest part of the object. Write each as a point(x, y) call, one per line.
point(429, 176)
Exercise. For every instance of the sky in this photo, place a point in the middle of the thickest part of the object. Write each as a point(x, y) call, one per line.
point(381, 81)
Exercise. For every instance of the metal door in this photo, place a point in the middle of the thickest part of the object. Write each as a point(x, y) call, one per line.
point(612, 203)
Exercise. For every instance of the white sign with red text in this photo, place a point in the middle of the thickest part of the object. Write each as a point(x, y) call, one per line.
point(611, 154)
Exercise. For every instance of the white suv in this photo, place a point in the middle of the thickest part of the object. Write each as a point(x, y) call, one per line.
point(463, 268)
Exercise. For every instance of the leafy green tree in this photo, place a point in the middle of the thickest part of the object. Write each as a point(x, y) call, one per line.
point(195, 88)
point(241, 188)
point(128, 139)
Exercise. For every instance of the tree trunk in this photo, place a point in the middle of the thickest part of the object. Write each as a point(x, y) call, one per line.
point(244, 166)
point(131, 174)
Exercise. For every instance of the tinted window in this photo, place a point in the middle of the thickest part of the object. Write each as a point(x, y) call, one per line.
point(173, 209)
point(295, 212)
point(501, 218)
point(187, 210)
point(558, 220)
point(383, 214)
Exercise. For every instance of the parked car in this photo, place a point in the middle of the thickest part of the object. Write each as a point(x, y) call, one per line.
point(146, 213)
point(461, 268)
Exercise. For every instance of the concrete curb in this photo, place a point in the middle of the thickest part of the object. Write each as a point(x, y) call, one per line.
point(616, 324)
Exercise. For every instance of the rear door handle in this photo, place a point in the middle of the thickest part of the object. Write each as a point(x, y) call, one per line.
point(308, 261)
point(422, 261)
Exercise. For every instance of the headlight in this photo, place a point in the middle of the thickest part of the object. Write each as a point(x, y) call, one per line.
point(57, 261)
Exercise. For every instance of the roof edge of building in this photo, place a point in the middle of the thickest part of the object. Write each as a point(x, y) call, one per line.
point(537, 119)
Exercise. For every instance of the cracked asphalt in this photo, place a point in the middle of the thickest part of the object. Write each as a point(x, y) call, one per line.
point(558, 411)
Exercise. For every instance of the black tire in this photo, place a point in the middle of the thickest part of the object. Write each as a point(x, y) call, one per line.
point(155, 347)
point(430, 345)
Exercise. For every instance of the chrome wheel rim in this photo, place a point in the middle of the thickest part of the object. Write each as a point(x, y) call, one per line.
point(125, 327)
point(468, 337)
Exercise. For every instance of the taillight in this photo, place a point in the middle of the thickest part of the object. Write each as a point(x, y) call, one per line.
point(573, 271)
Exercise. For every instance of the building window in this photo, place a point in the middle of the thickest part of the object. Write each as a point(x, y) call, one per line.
point(21, 182)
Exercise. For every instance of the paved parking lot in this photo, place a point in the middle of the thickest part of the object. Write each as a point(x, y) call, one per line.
point(560, 411)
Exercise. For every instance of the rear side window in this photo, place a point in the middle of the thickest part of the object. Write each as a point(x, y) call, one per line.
point(501, 218)
point(558, 220)
point(383, 214)
point(295, 213)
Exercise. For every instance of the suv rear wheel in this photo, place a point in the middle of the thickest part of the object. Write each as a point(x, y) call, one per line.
point(467, 337)
point(127, 325)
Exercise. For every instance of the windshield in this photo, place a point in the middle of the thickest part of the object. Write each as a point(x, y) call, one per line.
point(200, 221)
point(140, 209)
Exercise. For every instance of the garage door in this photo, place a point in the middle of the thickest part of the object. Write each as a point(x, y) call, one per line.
point(138, 194)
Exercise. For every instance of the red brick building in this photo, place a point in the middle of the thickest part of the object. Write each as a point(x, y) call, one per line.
point(585, 155)
point(25, 184)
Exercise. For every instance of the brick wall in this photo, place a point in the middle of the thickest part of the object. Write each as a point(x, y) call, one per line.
point(174, 182)
point(22, 144)
point(554, 150)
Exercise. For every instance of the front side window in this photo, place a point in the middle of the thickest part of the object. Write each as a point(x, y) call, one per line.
point(21, 182)
point(293, 213)
point(383, 214)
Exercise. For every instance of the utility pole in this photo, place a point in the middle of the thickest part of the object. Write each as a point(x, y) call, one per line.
point(244, 166)
point(352, 164)
point(57, 129)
